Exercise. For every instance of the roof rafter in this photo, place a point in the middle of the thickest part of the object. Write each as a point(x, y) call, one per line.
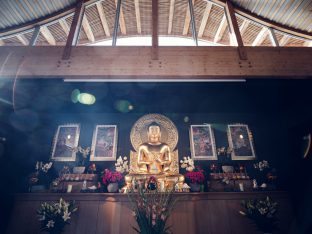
point(260, 37)
point(171, 12)
point(87, 28)
point(221, 29)
point(64, 26)
point(284, 40)
point(204, 19)
point(244, 26)
point(273, 38)
point(47, 35)
point(187, 20)
point(122, 22)
point(103, 18)
point(137, 15)
point(22, 39)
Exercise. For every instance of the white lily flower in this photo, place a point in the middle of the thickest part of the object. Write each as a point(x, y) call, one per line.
point(50, 224)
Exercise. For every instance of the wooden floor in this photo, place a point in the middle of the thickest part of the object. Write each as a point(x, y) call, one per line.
point(214, 213)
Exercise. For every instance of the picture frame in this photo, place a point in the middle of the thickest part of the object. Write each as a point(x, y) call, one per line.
point(241, 142)
point(104, 143)
point(202, 142)
point(65, 142)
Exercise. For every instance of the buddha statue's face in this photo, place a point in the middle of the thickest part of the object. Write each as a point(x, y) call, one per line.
point(154, 134)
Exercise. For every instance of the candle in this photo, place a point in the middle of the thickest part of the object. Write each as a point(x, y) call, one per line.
point(241, 187)
point(69, 188)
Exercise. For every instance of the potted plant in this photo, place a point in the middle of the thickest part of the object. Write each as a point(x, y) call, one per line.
point(83, 153)
point(195, 179)
point(53, 217)
point(262, 212)
point(151, 210)
point(194, 175)
point(112, 179)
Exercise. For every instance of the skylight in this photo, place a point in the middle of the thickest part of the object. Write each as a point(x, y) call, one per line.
point(147, 41)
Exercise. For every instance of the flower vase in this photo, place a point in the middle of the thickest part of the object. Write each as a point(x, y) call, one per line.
point(195, 187)
point(112, 187)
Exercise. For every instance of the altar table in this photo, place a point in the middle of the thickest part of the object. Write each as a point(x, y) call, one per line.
point(212, 212)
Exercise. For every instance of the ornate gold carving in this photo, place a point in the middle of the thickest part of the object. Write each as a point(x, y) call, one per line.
point(169, 132)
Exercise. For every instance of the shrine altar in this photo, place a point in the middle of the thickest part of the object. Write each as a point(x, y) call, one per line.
point(211, 212)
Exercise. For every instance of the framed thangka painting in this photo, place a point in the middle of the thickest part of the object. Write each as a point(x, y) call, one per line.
point(65, 142)
point(202, 142)
point(241, 142)
point(104, 143)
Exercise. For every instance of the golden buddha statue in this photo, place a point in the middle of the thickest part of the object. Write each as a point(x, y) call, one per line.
point(154, 157)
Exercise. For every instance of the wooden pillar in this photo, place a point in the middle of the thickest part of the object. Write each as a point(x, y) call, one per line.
point(116, 26)
point(193, 25)
point(34, 36)
point(154, 29)
point(75, 28)
point(273, 38)
point(236, 38)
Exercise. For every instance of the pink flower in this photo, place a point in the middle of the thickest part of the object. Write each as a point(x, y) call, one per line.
point(111, 177)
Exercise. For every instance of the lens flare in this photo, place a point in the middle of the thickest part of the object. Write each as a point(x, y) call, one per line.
point(123, 106)
point(75, 95)
point(86, 98)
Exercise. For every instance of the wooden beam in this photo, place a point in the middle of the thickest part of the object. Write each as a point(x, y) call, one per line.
point(34, 36)
point(47, 35)
point(260, 37)
point(244, 26)
point(87, 28)
point(1, 43)
point(64, 26)
point(273, 38)
point(155, 30)
point(187, 20)
point(284, 40)
point(171, 12)
point(122, 22)
point(103, 18)
point(204, 19)
point(221, 29)
point(89, 62)
point(137, 16)
point(75, 27)
point(22, 39)
point(235, 36)
point(116, 24)
point(193, 23)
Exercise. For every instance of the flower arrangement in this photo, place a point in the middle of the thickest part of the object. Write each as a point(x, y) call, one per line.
point(111, 177)
point(262, 165)
point(84, 154)
point(43, 167)
point(262, 212)
point(151, 210)
point(40, 175)
point(187, 163)
point(121, 165)
point(195, 177)
point(53, 217)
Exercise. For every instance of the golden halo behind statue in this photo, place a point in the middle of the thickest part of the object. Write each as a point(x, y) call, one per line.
point(169, 132)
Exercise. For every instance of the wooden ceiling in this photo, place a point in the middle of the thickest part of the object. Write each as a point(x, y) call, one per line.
point(174, 20)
